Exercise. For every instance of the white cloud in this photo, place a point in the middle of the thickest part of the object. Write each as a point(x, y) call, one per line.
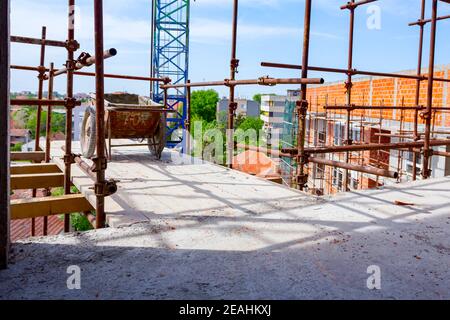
point(214, 31)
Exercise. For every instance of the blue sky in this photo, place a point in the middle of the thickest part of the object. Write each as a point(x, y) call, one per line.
point(269, 30)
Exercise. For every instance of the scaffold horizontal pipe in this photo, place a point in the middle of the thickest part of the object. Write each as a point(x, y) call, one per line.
point(353, 5)
point(275, 153)
point(425, 21)
point(354, 167)
point(92, 74)
point(368, 147)
point(89, 62)
point(27, 40)
point(42, 102)
point(351, 71)
point(441, 153)
point(355, 107)
point(261, 81)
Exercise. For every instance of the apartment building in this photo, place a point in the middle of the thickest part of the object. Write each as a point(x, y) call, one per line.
point(246, 108)
point(272, 113)
point(367, 126)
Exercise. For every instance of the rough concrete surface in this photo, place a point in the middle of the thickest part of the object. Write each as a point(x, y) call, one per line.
point(251, 246)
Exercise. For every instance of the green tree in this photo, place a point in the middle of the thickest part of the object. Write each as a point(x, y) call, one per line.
point(251, 123)
point(58, 123)
point(204, 104)
point(17, 147)
point(257, 97)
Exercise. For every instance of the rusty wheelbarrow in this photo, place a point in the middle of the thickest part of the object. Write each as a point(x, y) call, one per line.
point(127, 116)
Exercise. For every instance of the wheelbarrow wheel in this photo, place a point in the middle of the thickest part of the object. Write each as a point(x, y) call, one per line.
point(157, 143)
point(88, 133)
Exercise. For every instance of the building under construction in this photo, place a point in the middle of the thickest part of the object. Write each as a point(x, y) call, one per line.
point(326, 125)
point(202, 231)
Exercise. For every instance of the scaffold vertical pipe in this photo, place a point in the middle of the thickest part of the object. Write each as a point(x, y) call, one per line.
point(418, 84)
point(428, 152)
point(40, 88)
point(37, 147)
point(100, 160)
point(302, 106)
point(4, 135)
point(69, 96)
point(48, 135)
point(234, 63)
point(348, 87)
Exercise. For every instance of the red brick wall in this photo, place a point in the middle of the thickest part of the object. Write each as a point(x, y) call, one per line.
point(385, 91)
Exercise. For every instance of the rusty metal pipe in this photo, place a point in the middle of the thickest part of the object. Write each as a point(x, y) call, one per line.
point(353, 5)
point(91, 218)
point(354, 167)
point(234, 63)
point(368, 147)
point(302, 107)
point(275, 153)
point(69, 112)
point(89, 61)
point(37, 146)
point(27, 40)
point(85, 167)
point(422, 21)
point(188, 120)
point(354, 107)
point(351, 71)
point(42, 102)
point(5, 188)
point(426, 172)
point(441, 153)
point(92, 74)
point(48, 131)
point(123, 77)
point(348, 85)
point(418, 83)
point(101, 161)
point(260, 81)
point(40, 89)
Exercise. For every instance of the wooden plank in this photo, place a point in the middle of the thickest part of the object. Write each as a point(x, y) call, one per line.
point(37, 181)
point(4, 133)
point(48, 206)
point(35, 168)
point(28, 156)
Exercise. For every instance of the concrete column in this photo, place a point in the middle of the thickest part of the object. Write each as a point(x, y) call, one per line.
point(4, 134)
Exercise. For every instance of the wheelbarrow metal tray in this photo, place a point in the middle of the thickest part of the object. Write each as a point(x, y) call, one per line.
point(128, 124)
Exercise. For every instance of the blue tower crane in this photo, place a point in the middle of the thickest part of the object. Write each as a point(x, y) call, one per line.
point(170, 58)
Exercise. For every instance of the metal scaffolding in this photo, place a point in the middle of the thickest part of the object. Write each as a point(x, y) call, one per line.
point(171, 50)
point(304, 155)
point(4, 134)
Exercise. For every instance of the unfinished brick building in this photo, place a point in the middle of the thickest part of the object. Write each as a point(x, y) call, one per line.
point(327, 127)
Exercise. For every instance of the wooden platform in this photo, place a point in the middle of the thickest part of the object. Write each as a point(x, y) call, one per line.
point(176, 186)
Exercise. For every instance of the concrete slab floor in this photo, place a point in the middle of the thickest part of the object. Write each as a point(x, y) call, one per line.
point(320, 250)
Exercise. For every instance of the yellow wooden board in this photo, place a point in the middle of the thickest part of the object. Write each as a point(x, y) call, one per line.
point(35, 168)
point(37, 181)
point(48, 206)
point(28, 156)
